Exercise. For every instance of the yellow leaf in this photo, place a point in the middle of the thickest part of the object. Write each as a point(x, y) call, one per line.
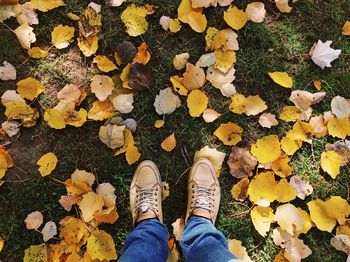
point(46, 5)
point(112, 135)
point(109, 215)
point(169, 143)
point(346, 28)
point(326, 213)
point(29, 88)
point(73, 231)
point(331, 163)
point(117, 59)
point(35, 253)
point(285, 191)
point(339, 127)
point(226, 40)
point(290, 145)
point(224, 60)
point(62, 36)
point(142, 56)
point(124, 76)
point(236, 248)
point(317, 84)
point(88, 45)
point(307, 225)
point(18, 110)
point(75, 118)
point(100, 246)
point(102, 86)
point(37, 52)
point(47, 163)
point(290, 114)
point(239, 191)
point(2, 243)
point(183, 10)
point(159, 123)
point(210, 37)
point(262, 217)
point(229, 133)
point(174, 25)
point(235, 18)
point(54, 119)
point(104, 63)
point(197, 102)
point(262, 189)
point(134, 19)
point(25, 35)
point(238, 103)
point(266, 149)
point(197, 21)
point(194, 77)
point(179, 88)
point(254, 105)
point(101, 110)
point(282, 78)
point(89, 204)
point(281, 166)
point(132, 154)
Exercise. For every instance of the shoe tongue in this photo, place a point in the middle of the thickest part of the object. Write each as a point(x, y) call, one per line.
point(204, 177)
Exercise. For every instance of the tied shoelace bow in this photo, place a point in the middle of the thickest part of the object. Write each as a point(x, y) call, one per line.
point(146, 199)
point(203, 197)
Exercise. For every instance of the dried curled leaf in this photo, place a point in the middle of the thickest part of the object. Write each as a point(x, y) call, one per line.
point(241, 162)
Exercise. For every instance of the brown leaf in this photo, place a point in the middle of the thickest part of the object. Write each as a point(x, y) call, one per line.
point(126, 51)
point(140, 76)
point(241, 162)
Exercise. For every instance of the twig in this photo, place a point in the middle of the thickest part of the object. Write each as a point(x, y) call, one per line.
point(182, 175)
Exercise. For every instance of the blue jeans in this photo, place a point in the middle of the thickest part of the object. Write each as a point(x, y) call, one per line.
point(200, 241)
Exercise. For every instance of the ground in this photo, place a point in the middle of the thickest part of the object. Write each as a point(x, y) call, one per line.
point(279, 44)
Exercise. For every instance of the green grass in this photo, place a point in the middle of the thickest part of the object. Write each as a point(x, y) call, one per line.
point(277, 45)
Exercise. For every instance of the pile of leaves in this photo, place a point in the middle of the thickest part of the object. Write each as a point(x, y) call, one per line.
point(263, 171)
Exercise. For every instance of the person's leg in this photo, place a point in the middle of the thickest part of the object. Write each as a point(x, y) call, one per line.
point(149, 240)
point(201, 241)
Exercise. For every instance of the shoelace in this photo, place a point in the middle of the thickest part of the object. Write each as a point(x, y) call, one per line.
point(203, 197)
point(146, 199)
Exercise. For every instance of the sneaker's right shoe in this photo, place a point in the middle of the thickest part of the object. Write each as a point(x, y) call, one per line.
point(203, 191)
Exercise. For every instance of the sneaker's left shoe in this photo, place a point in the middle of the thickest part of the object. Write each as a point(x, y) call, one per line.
point(146, 193)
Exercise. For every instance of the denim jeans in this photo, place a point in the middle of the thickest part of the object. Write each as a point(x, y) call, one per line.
point(200, 241)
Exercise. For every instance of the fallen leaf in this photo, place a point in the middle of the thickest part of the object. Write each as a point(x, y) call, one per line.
point(175, 25)
point(25, 35)
point(239, 251)
point(115, 2)
point(100, 246)
point(89, 204)
point(34, 220)
point(241, 162)
point(290, 114)
point(140, 77)
point(219, 79)
point(73, 231)
point(109, 215)
point(47, 163)
point(235, 17)
point(266, 149)
point(159, 123)
point(29, 88)
point(134, 18)
point(107, 191)
point(216, 157)
point(262, 189)
point(132, 154)
point(282, 78)
point(346, 28)
point(229, 133)
point(46, 5)
point(62, 36)
point(303, 188)
point(104, 63)
point(341, 243)
point(289, 218)
point(280, 237)
point(319, 127)
point(210, 115)
point(2, 243)
point(256, 12)
point(142, 56)
point(339, 127)
point(123, 103)
point(254, 105)
point(197, 102)
point(49, 231)
point(68, 201)
point(268, 120)
point(295, 250)
point(165, 190)
point(164, 22)
point(7, 72)
point(340, 107)
point(89, 45)
point(166, 102)
point(112, 135)
point(304, 99)
point(35, 253)
point(37, 52)
point(325, 214)
point(331, 162)
point(180, 60)
point(239, 191)
point(322, 54)
point(11, 128)
point(102, 86)
point(169, 143)
point(342, 148)
point(224, 60)
point(194, 77)
point(101, 110)
point(262, 217)
point(178, 228)
point(194, 17)
point(11, 96)
point(281, 166)
point(69, 93)
point(6, 12)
